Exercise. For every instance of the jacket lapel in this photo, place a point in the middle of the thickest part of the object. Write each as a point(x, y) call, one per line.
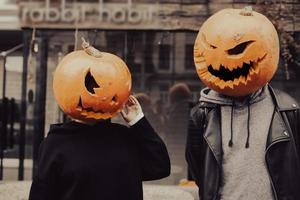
point(212, 134)
point(278, 129)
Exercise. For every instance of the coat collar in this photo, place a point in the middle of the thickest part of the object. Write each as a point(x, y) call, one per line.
point(212, 134)
point(283, 101)
point(278, 129)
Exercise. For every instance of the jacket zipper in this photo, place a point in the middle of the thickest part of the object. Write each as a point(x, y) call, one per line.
point(272, 184)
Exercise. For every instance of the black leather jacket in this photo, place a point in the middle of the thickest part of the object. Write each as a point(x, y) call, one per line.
point(204, 148)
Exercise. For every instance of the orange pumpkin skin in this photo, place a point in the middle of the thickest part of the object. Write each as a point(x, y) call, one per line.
point(105, 98)
point(236, 52)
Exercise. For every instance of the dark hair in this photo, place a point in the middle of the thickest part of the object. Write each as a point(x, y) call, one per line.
point(179, 91)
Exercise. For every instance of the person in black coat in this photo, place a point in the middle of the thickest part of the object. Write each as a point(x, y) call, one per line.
point(100, 161)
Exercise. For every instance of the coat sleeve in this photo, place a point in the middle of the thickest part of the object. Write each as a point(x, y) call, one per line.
point(194, 144)
point(154, 157)
point(296, 130)
point(292, 118)
point(298, 133)
point(43, 184)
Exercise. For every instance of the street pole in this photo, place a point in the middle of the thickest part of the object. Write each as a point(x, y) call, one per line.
point(3, 125)
point(26, 37)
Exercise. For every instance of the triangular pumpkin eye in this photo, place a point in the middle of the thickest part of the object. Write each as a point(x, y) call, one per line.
point(240, 48)
point(90, 83)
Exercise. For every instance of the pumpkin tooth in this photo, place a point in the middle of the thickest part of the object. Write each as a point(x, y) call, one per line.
point(230, 84)
point(217, 81)
point(212, 79)
point(222, 84)
point(236, 81)
point(249, 78)
point(252, 71)
point(247, 62)
point(243, 79)
point(231, 68)
point(240, 65)
point(206, 76)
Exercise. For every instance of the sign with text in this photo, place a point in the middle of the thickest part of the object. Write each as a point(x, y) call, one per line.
point(101, 15)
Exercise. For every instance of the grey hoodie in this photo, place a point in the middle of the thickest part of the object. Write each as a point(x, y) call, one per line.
point(245, 125)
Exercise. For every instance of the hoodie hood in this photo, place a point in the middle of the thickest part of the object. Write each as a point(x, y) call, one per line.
point(210, 96)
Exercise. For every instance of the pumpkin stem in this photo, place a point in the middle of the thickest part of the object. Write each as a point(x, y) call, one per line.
point(247, 11)
point(90, 49)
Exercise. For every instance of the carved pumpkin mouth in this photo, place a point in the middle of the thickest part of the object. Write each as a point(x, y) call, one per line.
point(224, 77)
point(87, 111)
point(227, 75)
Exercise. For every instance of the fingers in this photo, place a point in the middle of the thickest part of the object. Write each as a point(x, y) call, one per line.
point(131, 99)
point(125, 108)
point(129, 102)
point(134, 100)
point(123, 113)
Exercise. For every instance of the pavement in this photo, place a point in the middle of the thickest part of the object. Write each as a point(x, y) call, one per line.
point(19, 190)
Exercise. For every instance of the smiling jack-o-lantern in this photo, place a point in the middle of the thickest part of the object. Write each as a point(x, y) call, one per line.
point(90, 85)
point(236, 51)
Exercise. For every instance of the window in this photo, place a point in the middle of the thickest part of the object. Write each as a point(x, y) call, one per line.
point(164, 57)
point(189, 57)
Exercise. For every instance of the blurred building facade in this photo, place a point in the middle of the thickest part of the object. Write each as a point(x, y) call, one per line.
point(155, 38)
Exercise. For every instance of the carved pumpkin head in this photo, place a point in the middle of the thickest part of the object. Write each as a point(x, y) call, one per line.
point(236, 51)
point(90, 85)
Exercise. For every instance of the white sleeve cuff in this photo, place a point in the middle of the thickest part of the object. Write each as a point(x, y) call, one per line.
point(136, 119)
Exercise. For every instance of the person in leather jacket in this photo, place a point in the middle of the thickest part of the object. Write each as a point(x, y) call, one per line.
point(205, 155)
point(244, 140)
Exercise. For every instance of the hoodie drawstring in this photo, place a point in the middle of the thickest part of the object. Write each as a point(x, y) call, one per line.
point(248, 127)
point(230, 143)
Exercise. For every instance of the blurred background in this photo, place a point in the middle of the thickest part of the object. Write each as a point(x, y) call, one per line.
point(154, 37)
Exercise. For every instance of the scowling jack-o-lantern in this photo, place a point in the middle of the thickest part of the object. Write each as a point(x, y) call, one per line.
point(90, 85)
point(236, 51)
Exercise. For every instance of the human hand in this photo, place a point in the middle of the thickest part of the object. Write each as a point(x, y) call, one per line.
point(132, 111)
